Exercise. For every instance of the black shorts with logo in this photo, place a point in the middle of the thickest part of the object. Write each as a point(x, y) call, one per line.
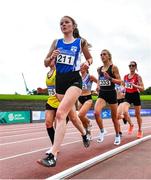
point(48, 107)
point(133, 98)
point(83, 99)
point(64, 81)
point(109, 96)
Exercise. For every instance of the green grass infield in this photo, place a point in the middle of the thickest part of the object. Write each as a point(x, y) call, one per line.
point(44, 97)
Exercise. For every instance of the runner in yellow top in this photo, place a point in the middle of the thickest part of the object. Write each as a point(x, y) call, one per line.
point(51, 105)
point(50, 82)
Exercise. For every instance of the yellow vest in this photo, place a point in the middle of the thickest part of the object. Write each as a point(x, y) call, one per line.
point(50, 82)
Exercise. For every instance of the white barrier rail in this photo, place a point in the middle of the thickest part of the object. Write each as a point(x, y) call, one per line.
point(89, 163)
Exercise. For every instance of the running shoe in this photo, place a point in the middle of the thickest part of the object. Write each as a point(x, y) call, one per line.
point(117, 140)
point(49, 161)
point(49, 151)
point(139, 134)
point(88, 131)
point(89, 134)
point(86, 141)
point(130, 129)
point(101, 136)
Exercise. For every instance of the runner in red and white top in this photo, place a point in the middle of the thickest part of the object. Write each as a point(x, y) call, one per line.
point(133, 85)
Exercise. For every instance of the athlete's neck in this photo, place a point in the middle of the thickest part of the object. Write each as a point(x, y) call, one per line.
point(132, 73)
point(107, 64)
point(68, 38)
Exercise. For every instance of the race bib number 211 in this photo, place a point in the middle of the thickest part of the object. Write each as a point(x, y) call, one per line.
point(65, 59)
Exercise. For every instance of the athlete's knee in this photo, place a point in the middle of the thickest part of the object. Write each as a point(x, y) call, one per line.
point(60, 115)
point(48, 124)
point(137, 114)
point(81, 115)
point(75, 118)
point(120, 116)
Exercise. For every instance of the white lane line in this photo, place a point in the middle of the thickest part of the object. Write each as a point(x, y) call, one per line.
point(32, 139)
point(27, 129)
point(69, 143)
point(26, 126)
point(42, 131)
point(89, 163)
point(27, 140)
point(68, 133)
point(22, 129)
point(73, 128)
point(22, 141)
point(31, 152)
point(22, 134)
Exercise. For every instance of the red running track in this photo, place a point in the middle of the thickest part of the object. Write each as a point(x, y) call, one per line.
point(21, 146)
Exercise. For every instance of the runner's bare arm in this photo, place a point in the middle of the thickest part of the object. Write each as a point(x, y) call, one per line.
point(85, 50)
point(140, 84)
point(50, 55)
point(93, 78)
point(117, 79)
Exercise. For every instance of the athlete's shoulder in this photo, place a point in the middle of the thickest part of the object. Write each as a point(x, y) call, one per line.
point(137, 75)
point(99, 69)
point(84, 42)
point(54, 41)
point(113, 66)
point(58, 40)
point(126, 76)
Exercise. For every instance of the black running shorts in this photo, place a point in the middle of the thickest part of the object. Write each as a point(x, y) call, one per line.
point(133, 98)
point(64, 81)
point(109, 96)
point(119, 101)
point(48, 107)
point(83, 99)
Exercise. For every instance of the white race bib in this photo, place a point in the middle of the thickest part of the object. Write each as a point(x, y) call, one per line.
point(84, 86)
point(128, 85)
point(51, 90)
point(65, 59)
point(105, 82)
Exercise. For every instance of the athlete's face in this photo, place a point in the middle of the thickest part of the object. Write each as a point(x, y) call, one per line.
point(132, 67)
point(104, 56)
point(66, 25)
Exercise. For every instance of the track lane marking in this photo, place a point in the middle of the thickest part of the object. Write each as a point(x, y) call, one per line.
point(67, 130)
point(69, 143)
